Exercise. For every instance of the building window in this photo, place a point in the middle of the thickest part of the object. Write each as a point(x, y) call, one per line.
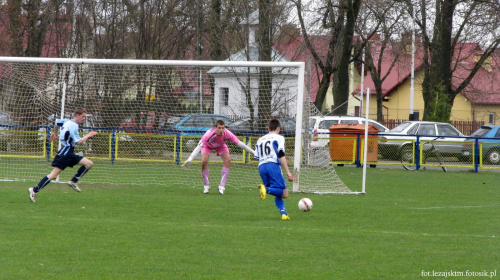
point(491, 118)
point(224, 96)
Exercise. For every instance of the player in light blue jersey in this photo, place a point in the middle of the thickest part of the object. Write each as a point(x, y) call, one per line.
point(270, 151)
point(69, 138)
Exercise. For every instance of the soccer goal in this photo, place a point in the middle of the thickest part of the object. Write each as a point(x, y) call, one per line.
point(149, 115)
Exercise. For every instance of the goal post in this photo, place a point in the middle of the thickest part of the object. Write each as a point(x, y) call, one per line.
point(138, 106)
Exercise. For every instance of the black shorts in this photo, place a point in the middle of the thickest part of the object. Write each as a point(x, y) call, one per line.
point(70, 160)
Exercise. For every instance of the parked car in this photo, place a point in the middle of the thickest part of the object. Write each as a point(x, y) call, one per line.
point(319, 126)
point(6, 123)
point(174, 119)
point(197, 124)
point(398, 141)
point(143, 122)
point(489, 139)
point(244, 127)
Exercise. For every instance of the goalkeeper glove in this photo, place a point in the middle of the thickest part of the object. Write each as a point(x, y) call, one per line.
point(186, 164)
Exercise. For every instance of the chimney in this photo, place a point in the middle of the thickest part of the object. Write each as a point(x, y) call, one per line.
point(253, 22)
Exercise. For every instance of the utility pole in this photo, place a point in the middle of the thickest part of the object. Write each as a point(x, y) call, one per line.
point(412, 88)
point(200, 52)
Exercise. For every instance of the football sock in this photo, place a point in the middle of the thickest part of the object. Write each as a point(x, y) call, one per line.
point(205, 174)
point(280, 203)
point(44, 182)
point(224, 174)
point(275, 191)
point(79, 174)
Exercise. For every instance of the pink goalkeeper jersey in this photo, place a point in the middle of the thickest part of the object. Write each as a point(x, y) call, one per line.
point(212, 141)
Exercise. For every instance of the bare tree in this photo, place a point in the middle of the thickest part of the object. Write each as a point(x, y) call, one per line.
point(382, 19)
point(28, 24)
point(337, 19)
point(443, 42)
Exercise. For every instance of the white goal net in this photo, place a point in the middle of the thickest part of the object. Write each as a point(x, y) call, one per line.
point(149, 115)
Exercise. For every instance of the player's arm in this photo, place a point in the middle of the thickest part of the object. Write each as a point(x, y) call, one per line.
point(245, 147)
point(281, 155)
point(55, 131)
point(84, 138)
point(238, 143)
point(194, 153)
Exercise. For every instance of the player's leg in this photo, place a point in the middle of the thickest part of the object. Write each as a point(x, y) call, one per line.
point(275, 185)
point(205, 172)
point(43, 182)
point(86, 165)
point(266, 172)
point(46, 180)
point(226, 158)
point(280, 204)
point(265, 181)
point(278, 186)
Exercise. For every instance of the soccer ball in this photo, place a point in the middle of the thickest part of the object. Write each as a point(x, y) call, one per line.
point(305, 204)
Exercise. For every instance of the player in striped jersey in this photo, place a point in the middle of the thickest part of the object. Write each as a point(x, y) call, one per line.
point(69, 138)
point(270, 151)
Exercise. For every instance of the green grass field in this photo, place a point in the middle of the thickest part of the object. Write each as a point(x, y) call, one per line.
point(408, 224)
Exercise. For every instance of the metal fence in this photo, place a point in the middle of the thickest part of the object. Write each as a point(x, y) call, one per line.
point(466, 127)
point(416, 152)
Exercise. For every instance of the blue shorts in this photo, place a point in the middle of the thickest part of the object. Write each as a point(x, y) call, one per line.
point(271, 176)
point(61, 161)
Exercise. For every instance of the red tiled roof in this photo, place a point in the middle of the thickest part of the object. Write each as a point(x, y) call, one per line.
point(481, 90)
point(484, 88)
point(295, 49)
point(400, 72)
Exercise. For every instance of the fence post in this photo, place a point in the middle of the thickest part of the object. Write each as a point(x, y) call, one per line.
point(476, 157)
point(417, 153)
point(47, 142)
point(358, 149)
point(178, 149)
point(113, 145)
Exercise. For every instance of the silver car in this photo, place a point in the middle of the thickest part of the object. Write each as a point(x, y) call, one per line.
point(319, 127)
point(399, 140)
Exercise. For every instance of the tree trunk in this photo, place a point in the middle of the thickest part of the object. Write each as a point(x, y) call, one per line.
point(437, 88)
point(265, 74)
point(324, 85)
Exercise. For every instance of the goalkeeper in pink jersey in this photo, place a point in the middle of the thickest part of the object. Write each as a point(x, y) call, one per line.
point(215, 140)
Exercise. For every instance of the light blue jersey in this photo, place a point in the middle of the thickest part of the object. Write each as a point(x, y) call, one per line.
point(68, 135)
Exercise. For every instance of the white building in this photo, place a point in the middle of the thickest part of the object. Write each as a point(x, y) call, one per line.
point(236, 88)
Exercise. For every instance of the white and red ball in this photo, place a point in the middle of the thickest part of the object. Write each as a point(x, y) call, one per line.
point(305, 204)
